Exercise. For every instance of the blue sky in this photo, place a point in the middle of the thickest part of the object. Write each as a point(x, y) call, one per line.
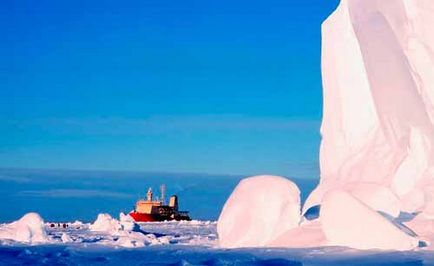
point(229, 87)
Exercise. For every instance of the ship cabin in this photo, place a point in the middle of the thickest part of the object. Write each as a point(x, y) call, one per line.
point(151, 206)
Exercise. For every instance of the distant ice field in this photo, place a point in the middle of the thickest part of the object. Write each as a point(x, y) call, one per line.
point(61, 195)
point(67, 196)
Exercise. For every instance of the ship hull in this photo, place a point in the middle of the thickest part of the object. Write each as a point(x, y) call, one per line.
point(146, 217)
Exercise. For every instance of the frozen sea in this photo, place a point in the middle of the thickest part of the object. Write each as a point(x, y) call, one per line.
point(66, 196)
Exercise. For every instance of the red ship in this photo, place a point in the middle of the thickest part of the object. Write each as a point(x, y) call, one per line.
point(151, 210)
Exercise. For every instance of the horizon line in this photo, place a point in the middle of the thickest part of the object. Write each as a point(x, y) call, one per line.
point(235, 175)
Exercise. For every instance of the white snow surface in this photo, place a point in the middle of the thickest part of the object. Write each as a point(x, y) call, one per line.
point(108, 231)
point(259, 210)
point(377, 149)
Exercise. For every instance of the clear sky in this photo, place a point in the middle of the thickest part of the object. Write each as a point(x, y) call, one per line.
point(229, 87)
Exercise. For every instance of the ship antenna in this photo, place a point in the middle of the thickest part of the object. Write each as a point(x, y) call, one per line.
point(163, 193)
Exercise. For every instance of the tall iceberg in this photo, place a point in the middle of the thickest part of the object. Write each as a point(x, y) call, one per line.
point(377, 149)
point(378, 80)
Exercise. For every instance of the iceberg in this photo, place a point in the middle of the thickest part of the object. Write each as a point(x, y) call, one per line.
point(378, 80)
point(377, 148)
point(377, 129)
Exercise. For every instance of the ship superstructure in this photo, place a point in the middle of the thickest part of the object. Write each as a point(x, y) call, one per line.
point(150, 210)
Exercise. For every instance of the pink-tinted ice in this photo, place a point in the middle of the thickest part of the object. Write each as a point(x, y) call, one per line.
point(377, 150)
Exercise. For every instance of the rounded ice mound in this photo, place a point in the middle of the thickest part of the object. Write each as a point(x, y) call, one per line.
point(259, 210)
point(346, 221)
point(105, 223)
point(29, 229)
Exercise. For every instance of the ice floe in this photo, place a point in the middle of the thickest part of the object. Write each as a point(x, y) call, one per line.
point(107, 231)
point(29, 229)
point(105, 223)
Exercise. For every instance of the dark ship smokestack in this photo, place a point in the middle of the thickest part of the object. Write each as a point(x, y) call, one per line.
point(173, 202)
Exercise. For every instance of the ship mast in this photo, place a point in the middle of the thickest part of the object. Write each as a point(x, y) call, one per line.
point(163, 193)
